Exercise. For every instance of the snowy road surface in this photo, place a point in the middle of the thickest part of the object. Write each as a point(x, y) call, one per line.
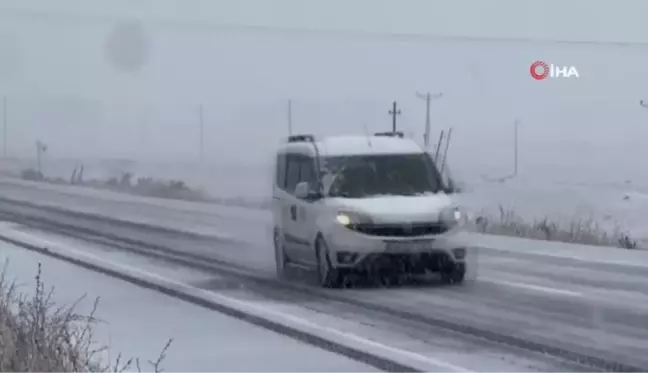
point(138, 322)
point(595, 302)
point(408, 343)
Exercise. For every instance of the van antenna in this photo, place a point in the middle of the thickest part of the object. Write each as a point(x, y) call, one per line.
point(436, 154)
point(445, 152)
point(367, 134)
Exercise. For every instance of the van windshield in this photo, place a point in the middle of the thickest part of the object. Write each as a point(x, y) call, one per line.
point(362, 176)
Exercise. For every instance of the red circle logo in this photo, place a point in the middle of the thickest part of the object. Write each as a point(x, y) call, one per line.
point(539, 70)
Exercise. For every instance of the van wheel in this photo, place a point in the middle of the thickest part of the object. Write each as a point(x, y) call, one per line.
point(328, 276)
point(281, 261)
point(455, 274)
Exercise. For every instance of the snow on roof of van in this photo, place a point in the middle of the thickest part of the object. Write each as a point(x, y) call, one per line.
point(352, 145)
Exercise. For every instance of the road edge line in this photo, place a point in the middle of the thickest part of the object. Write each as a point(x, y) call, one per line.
point(356, 354)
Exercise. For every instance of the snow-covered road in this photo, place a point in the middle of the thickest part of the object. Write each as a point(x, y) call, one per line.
point(226, 222)
point(410, 344)
point(591, 300)
point(138, 322)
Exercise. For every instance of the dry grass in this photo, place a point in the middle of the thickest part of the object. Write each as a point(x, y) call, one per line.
point(36, 335)
point(584, 231)
point(143, 186)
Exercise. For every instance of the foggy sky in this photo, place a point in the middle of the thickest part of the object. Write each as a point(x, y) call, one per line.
point(62, 88)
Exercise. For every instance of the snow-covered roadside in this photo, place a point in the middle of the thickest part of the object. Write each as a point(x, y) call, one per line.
point(243, 224)
point(218, 180)
point(222, 222)
point(138, 322)
point(610, 207)
point(371, 337)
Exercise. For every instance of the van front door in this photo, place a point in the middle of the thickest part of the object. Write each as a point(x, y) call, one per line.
point(290, 213)
point(306, 212)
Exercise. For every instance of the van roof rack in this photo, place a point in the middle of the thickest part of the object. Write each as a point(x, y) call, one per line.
point(398, 134)
point(301, 138)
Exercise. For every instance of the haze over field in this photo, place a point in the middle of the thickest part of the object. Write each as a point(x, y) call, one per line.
point(124, 79)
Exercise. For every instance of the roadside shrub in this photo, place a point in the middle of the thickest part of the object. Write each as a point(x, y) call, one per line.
point(171, 189)
point(36, 335)
point(583, 231)
point(32, 175)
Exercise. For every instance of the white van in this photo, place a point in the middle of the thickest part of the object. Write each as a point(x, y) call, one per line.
point(363, 204)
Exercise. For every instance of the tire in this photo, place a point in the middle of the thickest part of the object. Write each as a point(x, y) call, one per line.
point(281, 261)
point(455, 274)
point(327, 275)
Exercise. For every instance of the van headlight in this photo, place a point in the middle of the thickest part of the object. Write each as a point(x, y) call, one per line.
point(343, 219)
point(351, 218)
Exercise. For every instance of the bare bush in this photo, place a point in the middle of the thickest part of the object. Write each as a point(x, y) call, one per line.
point(32, 175)
point(144, 186)
point(148, 186)
point(583, 231)
point(36, 335)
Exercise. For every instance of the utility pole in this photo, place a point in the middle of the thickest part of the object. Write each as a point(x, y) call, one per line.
point(4, 126)
point(202, 125)
point(394, 112)
point(515, 147)
point(40, 149)
point(428, 99)
point(290, 124)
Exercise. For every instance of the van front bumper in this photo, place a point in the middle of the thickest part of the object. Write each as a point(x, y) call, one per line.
point(350, 249)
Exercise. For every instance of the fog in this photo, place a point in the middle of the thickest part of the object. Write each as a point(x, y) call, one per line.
point(125, 79)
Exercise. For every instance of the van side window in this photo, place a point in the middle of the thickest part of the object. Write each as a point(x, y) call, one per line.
point(293, 171)
point(281, 171)
point(308, 171)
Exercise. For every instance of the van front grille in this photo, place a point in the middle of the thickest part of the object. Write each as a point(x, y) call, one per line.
point(400, 230)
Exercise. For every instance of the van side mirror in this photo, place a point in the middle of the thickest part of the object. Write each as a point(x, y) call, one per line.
point(303, 191)
point(452, 187)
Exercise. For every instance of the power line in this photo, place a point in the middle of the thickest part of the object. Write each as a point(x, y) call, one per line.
point(346, 34)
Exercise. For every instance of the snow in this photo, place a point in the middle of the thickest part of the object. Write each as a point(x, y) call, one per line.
point(565, 202)
point(358, 145)
point(209, 176)
point(534, 196)
point(435, 349)
point(206, 219)
point(138, 322)
point(365, 145)
point(254, 226)
point(583, 253)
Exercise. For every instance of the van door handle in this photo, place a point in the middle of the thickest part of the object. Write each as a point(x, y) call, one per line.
point(293, 212)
